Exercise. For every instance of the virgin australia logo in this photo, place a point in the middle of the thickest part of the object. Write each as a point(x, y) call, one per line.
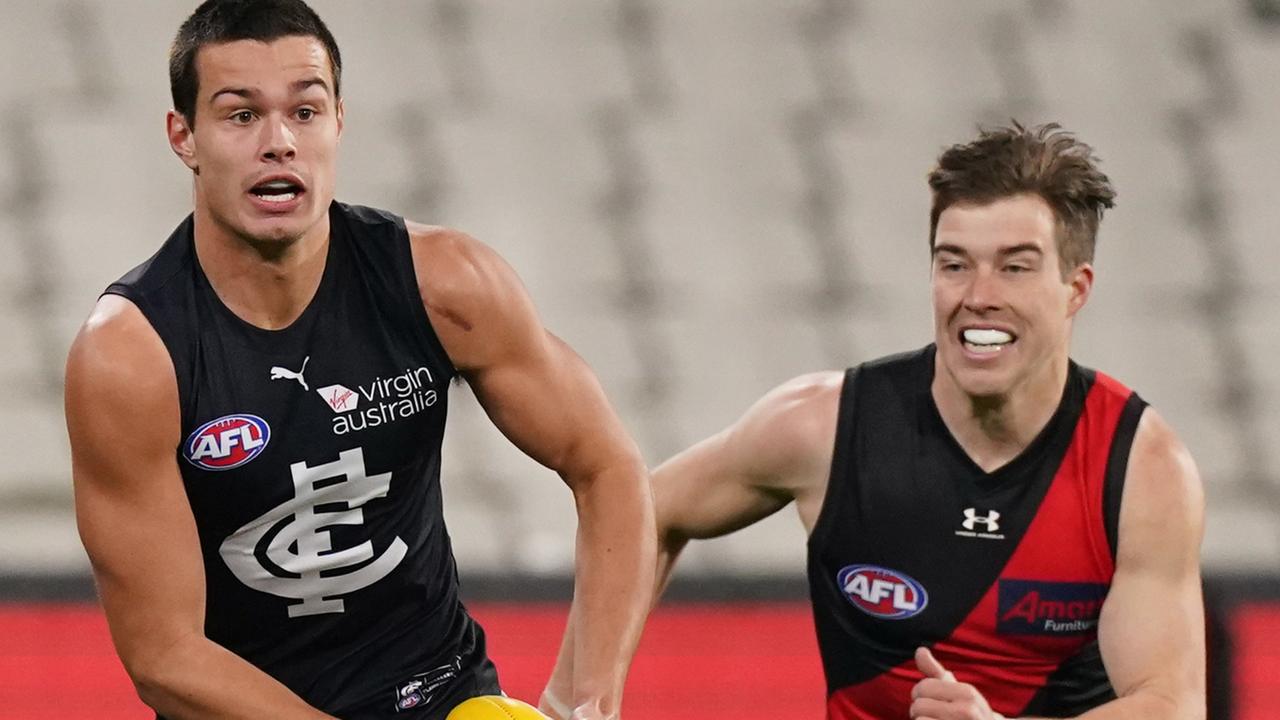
point(386, 399)
point(339, 398)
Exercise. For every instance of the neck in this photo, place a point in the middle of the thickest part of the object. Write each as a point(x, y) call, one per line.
point(995, 429)
point(267, 283)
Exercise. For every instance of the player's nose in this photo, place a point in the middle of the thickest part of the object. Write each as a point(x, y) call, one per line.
point(278, 140)
point(983, 292)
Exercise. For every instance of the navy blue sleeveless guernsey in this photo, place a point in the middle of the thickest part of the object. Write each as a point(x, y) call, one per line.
point(311, 458)
point(1002, 574)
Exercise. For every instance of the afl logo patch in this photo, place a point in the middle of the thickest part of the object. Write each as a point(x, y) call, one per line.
point(228, 442)
point(881, 592)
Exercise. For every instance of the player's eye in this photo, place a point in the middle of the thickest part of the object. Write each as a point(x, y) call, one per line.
point(244, 117)
point(305, 114)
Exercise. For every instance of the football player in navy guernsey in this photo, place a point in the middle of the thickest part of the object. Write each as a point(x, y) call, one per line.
point(256, 416)
point(994, 531)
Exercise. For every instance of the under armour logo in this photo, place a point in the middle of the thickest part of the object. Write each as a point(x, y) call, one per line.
point(289, 552)
point(282, 373)
point(972, 518)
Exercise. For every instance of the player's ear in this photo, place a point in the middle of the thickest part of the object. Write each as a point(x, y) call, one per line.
point(182, 139)
point(1080, 282)
point(342, 110)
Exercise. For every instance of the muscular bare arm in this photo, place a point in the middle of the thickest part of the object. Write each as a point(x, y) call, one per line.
point(1151, 631)
point(137, 526)
point(777, 452)
point(546, 400)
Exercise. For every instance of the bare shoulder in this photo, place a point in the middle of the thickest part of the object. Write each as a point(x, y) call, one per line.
point(1161, 469)
point(454, 268)
point(473, 297)
point(777, 452)
point(801, 405)
point(791, 429)
point(116, 343)
point(118, 366)
point(1163, 499)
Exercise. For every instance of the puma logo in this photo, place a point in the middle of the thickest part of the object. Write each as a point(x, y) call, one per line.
point(281, 373)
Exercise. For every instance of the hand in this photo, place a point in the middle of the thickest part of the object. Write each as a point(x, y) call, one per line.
point(556, 709)
point(552, 706)
point(939, 696)
point(591, 711)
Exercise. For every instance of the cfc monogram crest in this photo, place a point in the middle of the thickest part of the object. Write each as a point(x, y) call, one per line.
point(294, 538)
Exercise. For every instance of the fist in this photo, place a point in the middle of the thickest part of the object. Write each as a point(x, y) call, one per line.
point(556, 709)
point(939, 696)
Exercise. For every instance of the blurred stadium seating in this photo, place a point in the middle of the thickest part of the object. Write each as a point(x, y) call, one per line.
point(705, 198)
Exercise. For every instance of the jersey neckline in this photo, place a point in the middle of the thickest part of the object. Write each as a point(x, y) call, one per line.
point(301, 325)
point(1064, 417)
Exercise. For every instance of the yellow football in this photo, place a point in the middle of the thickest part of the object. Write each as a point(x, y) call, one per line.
point(495, 707)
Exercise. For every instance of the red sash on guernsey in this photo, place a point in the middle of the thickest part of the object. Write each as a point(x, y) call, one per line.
point(1066, 543)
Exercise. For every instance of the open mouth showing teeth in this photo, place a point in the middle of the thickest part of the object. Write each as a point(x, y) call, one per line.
point(985, 340)
point(278, 191)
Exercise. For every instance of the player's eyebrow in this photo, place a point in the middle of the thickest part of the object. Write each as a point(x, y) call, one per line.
point(296, 86)
point(244, 93)
point(299, 85)
point(1005, 251)
point(1021, 248)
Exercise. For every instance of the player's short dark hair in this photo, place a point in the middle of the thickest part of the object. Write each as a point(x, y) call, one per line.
point(1044, 160)
point(224, 21)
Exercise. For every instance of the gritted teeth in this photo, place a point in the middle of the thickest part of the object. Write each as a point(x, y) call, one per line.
point(983, 349)
point(986, 337)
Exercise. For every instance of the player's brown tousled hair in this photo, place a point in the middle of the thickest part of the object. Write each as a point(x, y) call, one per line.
point(1044, 160)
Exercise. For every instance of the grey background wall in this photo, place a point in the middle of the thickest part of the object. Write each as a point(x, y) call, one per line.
point(705, 198)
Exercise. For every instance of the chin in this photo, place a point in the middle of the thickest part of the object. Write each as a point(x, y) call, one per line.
point(279, 233)
point(984, 388)
point(983, 382)
point(277, 230)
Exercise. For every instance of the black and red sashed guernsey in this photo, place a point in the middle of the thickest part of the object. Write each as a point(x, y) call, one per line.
point(311, 458)
point(1002, 574)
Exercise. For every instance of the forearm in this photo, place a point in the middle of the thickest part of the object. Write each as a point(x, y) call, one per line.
point(560, 685)
point(197, 678)
point(1150, 706)
point(1145, 706)
point(614, 582)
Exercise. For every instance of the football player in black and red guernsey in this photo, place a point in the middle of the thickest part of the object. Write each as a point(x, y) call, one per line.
point(994, 530)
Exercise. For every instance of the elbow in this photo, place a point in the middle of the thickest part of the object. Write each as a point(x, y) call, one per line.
point(156, 675)
point(625, 475)
point(150, 683)
point(1190, 703)
point(1186, 705)
point(1192, 706)
point(150, 692)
